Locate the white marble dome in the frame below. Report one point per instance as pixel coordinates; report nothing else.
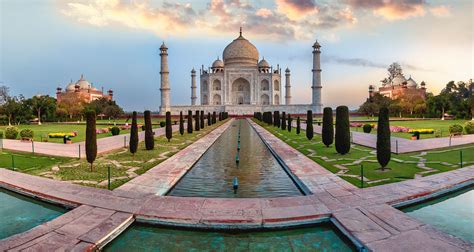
(263, 63)
(398, 80)
(218, 63)
(70, 87)
(240, 52)
(411, 83)
(83, 83)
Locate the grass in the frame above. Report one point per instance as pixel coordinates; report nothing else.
(403, 166)
(41, 131)
(438, 125)
(121, 162)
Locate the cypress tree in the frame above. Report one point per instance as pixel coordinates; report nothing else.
(91, 137)
(343, 134)
(278, 120)
(181, 123)
(328, 127)
(298, 126)
(283, 120)
(169, 130)
(133, 145)
(202, 119)
(289, 122)
(383, 138)
(269, 117)
(275, 118)
(214, 117)
(220, 116)
(209, 120)
(309, 125)
(196, 121)
(190, 122)
(149, 139)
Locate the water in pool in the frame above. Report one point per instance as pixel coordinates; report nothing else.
(453, 213)
(258, 172)
(148, 238)
(20, 213)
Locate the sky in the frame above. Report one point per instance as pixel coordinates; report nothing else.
(114, 43)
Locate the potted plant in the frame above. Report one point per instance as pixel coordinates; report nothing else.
(415, 136)
(26, 135)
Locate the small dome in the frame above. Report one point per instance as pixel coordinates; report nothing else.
(263, 64)
(398, 80)
(287, 70)
(411, 83)
(70, 86)
(240, 52)
(83, 83)
(218, 63)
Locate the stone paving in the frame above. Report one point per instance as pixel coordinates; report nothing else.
(77, 150)
(366, 214)
(404, 145)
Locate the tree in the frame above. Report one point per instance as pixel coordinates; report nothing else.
(343, 137)
(4, 94)
(298, 125)
(72, 104)
(190, 122)
(328, 127)
(133, 145)
(278, 119)
(309, 125)
(383, 138)
(275, 118)
(196, 121)
(181, 123)
(91, 138)
(11, 108)
(289, 122)
(283, 120)
(202, 119)
(149, 138)
(209, 119)
(169, 131)
(214, 117)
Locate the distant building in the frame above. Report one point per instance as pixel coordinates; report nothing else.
(397, 86)
(82, 90)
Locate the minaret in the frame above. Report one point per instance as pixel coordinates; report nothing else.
(287, 87)
(193, 87)
(316, 87)
(165, 85)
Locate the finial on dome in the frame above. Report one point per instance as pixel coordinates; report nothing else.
(82, 76)
(240, 31)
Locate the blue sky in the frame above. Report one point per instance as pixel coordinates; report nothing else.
(115, 43)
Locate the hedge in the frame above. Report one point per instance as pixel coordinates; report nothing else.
(455, 129)
(469, 127)
(26, 133)
(11, 132)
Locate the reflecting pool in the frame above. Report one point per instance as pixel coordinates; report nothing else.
(258, 172)
(453, 213)
(149, 238)
(19, 213)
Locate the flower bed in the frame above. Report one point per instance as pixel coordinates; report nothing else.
(422, 131)
(102, 130)
(62, 134)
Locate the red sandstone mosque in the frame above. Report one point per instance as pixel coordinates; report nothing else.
(397, 86)
(82, 90)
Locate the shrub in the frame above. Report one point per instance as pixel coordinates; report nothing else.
(298, 125)
(367, 128)
(469, 127)
(214, 117)
(328, 127)
(289, 122)
(133, 145)
(1, 134)
(27, 133)
(309, 125)
(91, 137)
(169, 131)
(416, 134)
(283, 120)
(190, 122)
(209, 119)
(196, 121)
(115, 131)
(202, 119)
(181, 123)
(455, 129)
(149, 138)
(162, 124)
(383, 138)
(343, 135)
(275, 118)
(143, 128)
(11, 132)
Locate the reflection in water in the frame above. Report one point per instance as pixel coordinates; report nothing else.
(147, 238)
(453, 213)
(259, 173)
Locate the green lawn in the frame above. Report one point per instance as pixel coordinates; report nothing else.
(28, 163)
(41, 131)
(121, 162)
(348, 167)
(438, 125)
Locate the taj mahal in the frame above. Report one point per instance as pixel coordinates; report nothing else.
(241, 83)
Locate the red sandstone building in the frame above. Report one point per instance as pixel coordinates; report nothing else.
(397, 86)
(82, 90)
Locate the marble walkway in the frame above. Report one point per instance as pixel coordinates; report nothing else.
(367, 214)
(77, 150)
(404, 145)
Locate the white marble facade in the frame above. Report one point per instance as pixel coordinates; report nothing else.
(242, 83)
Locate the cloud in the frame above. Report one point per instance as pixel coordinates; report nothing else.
(392, 9)
(440, 11)
(368, 63)
(218, 17)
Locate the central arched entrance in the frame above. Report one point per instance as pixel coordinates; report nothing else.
(241, 91)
